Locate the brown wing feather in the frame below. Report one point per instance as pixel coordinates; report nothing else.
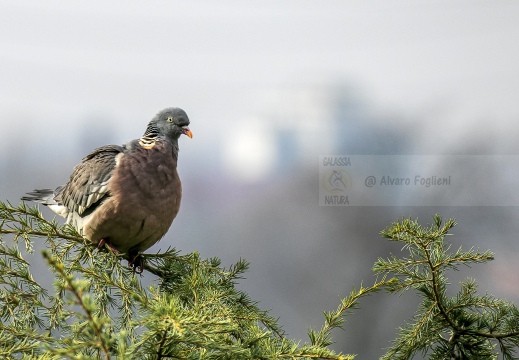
(89, 181)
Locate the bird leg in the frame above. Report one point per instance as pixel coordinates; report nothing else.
(109, 246)
(136, 261)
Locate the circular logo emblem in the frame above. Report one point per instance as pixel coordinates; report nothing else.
(336, 181)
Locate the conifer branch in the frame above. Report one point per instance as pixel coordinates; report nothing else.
(77, 290)
(101, 311)
(476, 324)
(196, 310)
(335, 319)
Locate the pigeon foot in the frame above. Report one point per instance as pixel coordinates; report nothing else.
(109, 246)
(137, 263)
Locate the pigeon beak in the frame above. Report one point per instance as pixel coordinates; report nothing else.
(186, 131)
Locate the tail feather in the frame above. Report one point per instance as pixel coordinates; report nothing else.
(42, 196)
(48, 197)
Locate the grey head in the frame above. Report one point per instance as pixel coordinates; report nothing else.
(169, 123)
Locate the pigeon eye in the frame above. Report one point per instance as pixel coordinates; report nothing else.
(170, 119)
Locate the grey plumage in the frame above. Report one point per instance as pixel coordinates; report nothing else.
(125, 196)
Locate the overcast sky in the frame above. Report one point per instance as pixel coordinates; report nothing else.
(62, 62)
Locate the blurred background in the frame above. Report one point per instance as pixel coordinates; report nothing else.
(269, 86)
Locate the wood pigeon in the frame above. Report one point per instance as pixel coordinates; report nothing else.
(125, 197)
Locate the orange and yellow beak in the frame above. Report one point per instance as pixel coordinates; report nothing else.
(186, 131)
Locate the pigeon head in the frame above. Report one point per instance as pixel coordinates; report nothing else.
(170, 123)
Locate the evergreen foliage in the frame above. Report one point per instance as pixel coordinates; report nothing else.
(99, 308)
(465, 326)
